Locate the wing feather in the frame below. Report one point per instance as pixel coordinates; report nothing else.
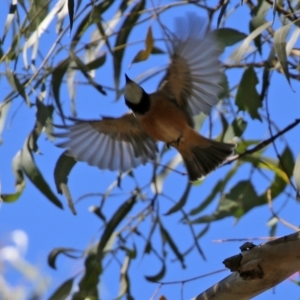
(110, 143)
(194, 73)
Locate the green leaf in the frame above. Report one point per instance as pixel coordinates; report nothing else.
(247, 97)
(71, 12)
(10, 198)
(122, 37)
(91, 17)
(243, 145)
(159, 275)
(229, 36)
(279, 184)
(57, 251)
(280, 36)
(62, 170)
(182, 200)
(238, 54)
(88, 285)
(56, 80)
(168, 239)
(85, 71)
(34, 175)
(4, 108)
(131, 253)
(63, 291)
(266, 163)
(236, 129)
(19, 180)
(218, 188)
(96, 63)
(225, 93)
(37, 13)
(17, 85)
(43, 116)
(148, 246)
(222, 12)
(258, 20)
(9, 19)
(124, 281)
(296, 174)
(111, 226)
(266, 74)
(241, 198)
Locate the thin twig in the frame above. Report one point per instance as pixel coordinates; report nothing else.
(263, 143)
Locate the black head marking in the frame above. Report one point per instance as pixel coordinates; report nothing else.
(135, 97)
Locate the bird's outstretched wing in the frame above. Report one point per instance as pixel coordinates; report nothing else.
(110, 143)
(194, 73)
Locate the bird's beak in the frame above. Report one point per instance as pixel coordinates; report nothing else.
(127, 79)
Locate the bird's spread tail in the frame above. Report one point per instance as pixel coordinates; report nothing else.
(202, 155)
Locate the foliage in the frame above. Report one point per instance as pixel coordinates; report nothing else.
(94, 35)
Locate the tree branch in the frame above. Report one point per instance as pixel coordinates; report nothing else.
(257, 269)
(263, 143)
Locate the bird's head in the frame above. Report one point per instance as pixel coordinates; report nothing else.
(135, 97)
(133, 92)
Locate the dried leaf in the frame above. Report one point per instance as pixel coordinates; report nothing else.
(144, 54)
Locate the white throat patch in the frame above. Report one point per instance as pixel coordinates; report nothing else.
(133, 93)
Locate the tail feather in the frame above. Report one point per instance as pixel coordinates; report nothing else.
(202, 155)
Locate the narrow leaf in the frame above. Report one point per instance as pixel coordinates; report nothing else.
(280, 48)
(222, 12)
(296, 175)
(19, 180)
(159, 275)
(56, 81)
(181, 202)
(62, 170)
(43, 116)
(116, 219)
(122, 37)
(241, 198)
(266, 74)
(124, 281)
(96, 63)
(84, 70)
(218, 188)
(89, 19)
(236, 129)
(71, 12)
(17, 85)
(258, 20)
(9, 18)
(279, 184)
(88, 285)
(167, 238)
(4, 108)
(57, 251)
(63, 291)
(238, 54)
(35, 176)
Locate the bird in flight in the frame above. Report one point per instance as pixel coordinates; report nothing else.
(190, 86)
